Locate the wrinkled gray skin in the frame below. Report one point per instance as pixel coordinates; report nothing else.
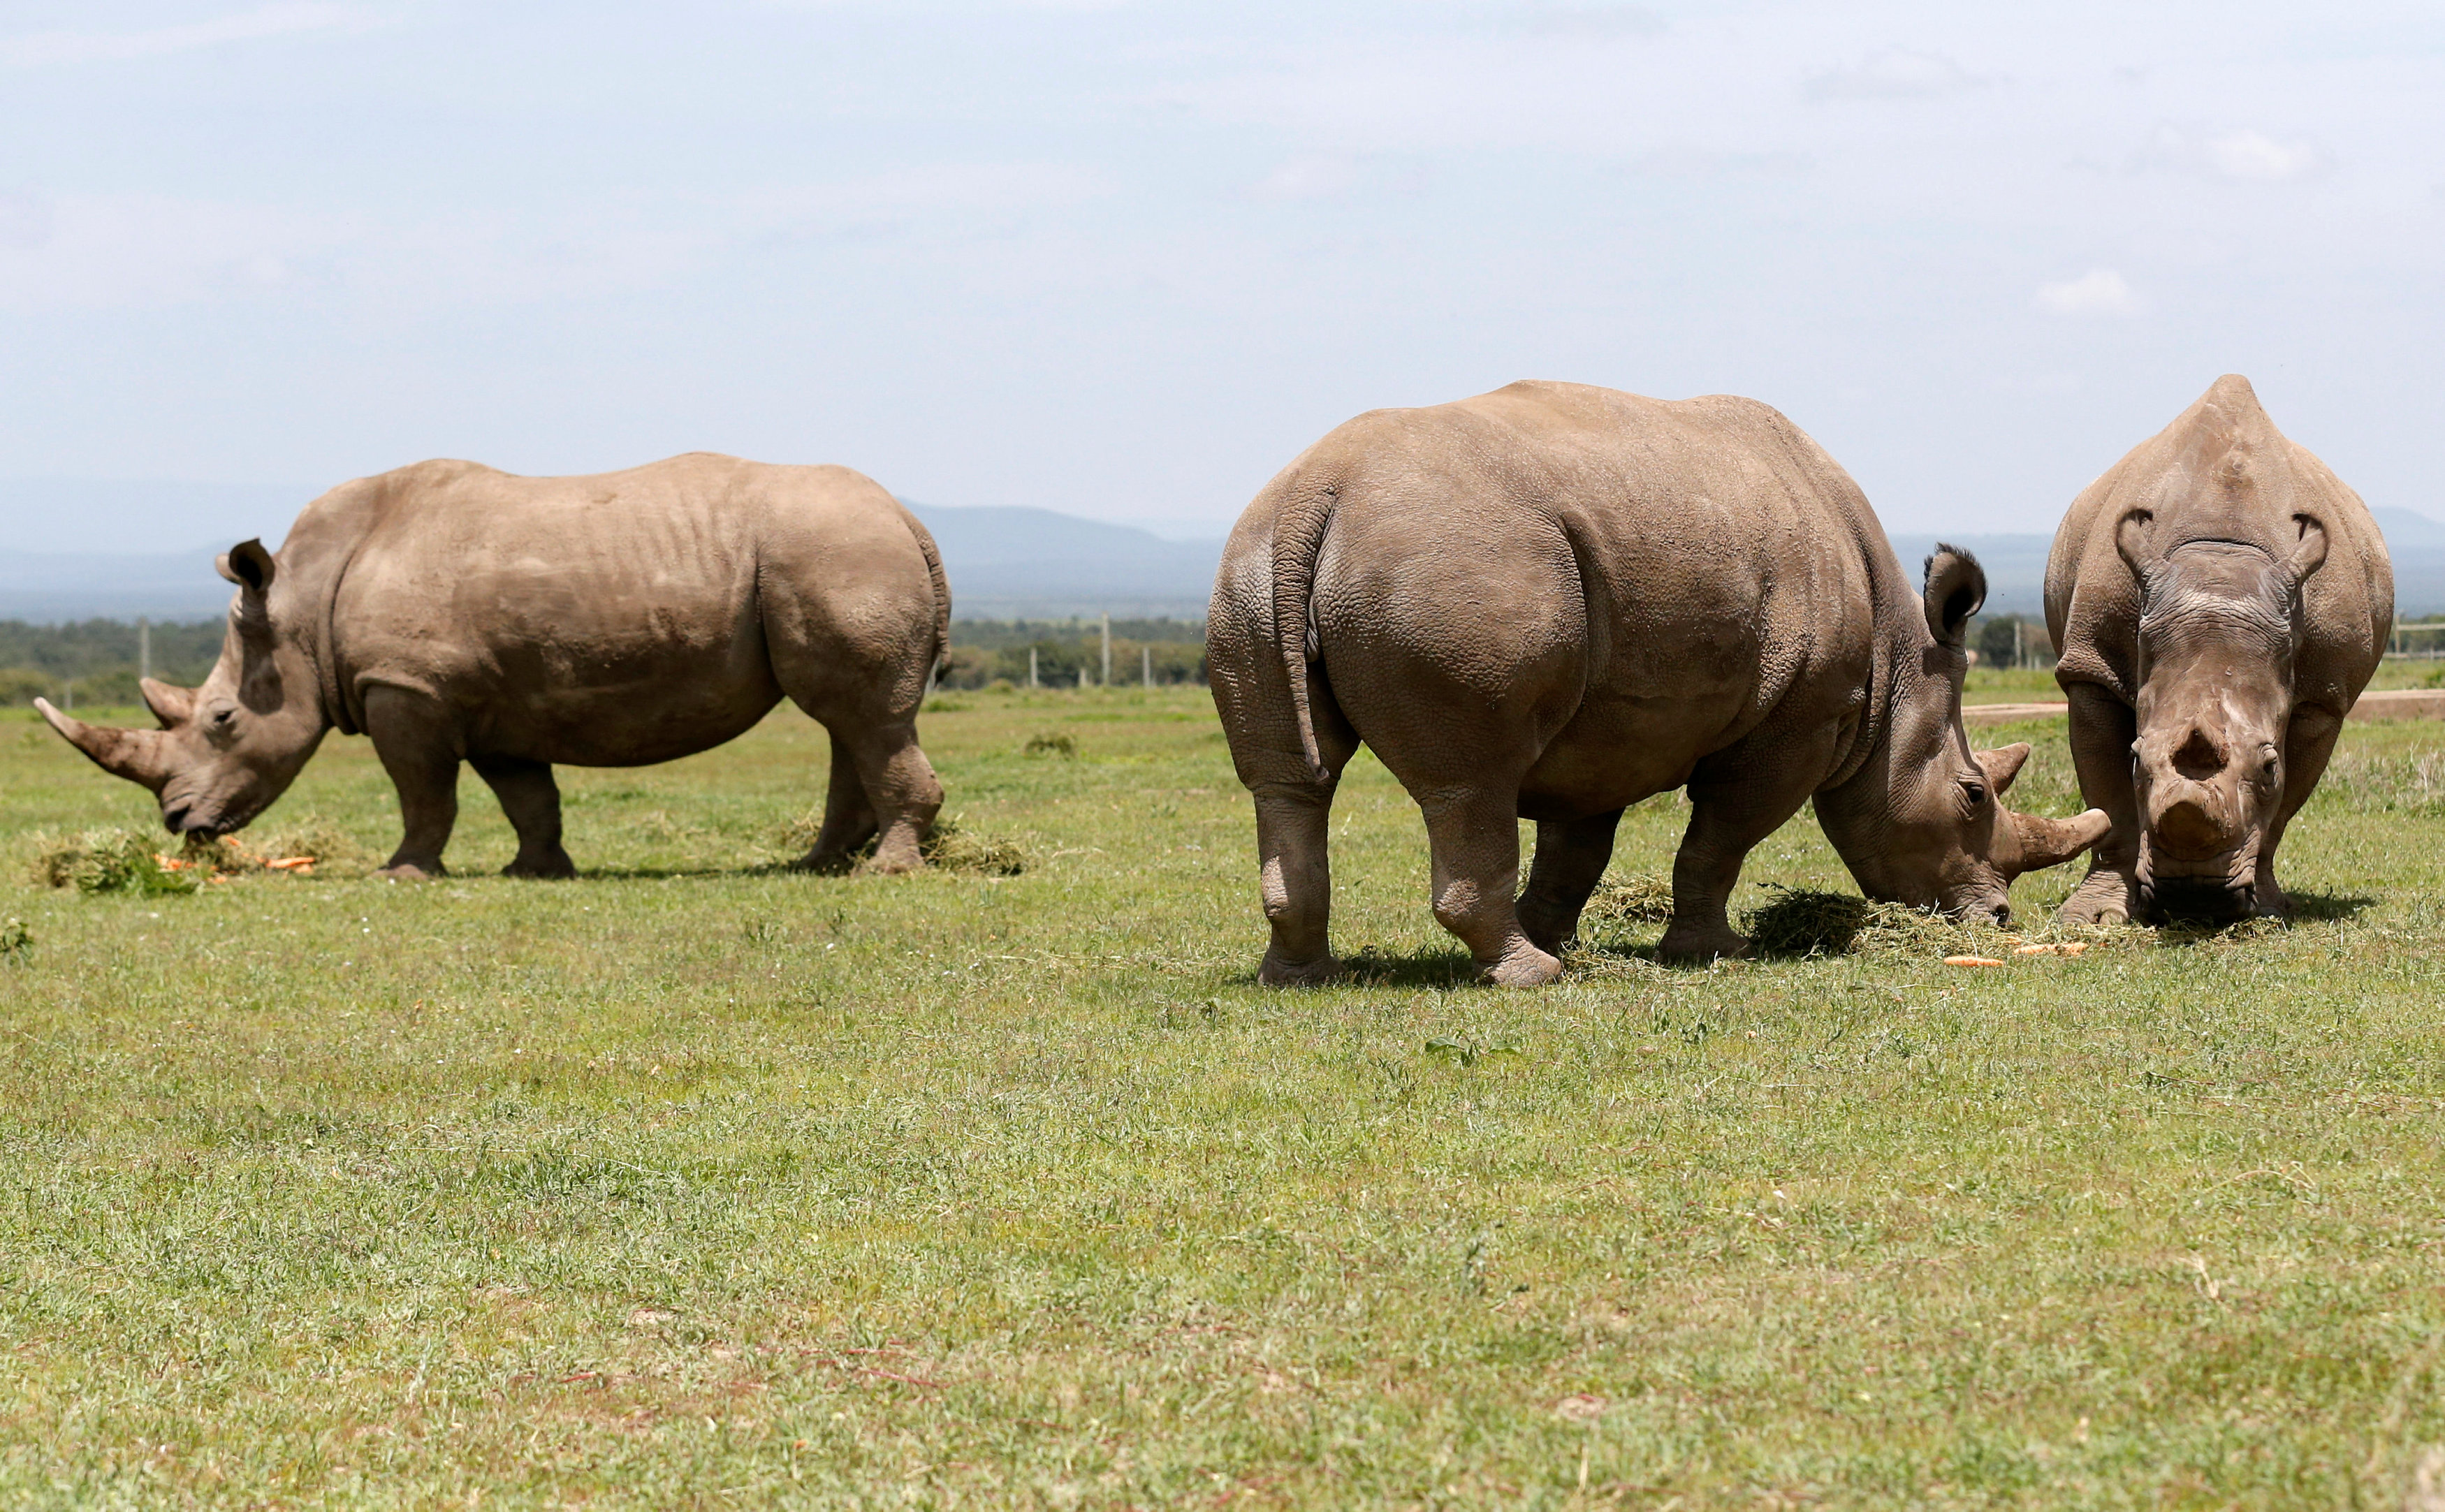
(1553, 601)
(456, 613)
(2220, 600)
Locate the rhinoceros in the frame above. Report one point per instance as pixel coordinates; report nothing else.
(458, 613)
(1552, 601)
(2220, 599)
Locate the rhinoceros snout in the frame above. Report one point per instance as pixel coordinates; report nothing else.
(2187, 830)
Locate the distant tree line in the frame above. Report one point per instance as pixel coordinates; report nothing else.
(2012, 640)
(94, 661)
(984, 652)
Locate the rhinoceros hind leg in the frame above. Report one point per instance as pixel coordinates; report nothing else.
(1571, 859)
(906, 795)
(1296, 882)
(532, 799)
(849, 819)
(1474, 835)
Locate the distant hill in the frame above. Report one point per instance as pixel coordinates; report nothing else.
(1012, 563)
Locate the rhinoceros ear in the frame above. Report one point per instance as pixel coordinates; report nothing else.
(2131, 539)
(1956, 586)
(248, 565)
(2311, 553)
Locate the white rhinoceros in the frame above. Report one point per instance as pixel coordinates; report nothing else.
(458, 613)
(1552, 601)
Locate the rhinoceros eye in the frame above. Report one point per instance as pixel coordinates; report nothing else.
(1975, 792)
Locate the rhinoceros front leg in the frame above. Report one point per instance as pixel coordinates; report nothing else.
(2308, 747)
(1474, 835)
(1571, 859)
(532, 799)
(416, 749)
(1296, 880)
(2102, 728)
(1731, 808)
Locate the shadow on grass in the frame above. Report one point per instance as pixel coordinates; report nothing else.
(2327, 907)
(1371, 968)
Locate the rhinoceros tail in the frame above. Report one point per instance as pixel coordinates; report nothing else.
(1298, 539)
(941, 594)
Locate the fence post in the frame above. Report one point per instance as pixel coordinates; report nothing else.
(1145, 665)
(143, 647)
(1108, 651)
(1031, 666)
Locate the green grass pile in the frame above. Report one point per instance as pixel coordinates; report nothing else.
(107, 861)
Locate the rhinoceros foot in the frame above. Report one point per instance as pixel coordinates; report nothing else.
(2105, 897)
(1276, 972)
(1524, 966)
(2271, 901)
(409, 872)
(1694, 943)
(555, 867)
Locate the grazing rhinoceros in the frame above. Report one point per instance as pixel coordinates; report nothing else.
(2220, 599)
(456, 613)
(1552, 601)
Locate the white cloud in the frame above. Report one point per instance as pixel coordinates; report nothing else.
(1896, 73)
(2240, 155)
(2098, 292)
(36, 50)
(2254, 154)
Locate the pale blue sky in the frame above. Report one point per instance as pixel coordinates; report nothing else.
(1127, 259)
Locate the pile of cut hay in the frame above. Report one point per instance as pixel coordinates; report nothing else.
(952, 846)
(1806, 922)
(1632, 900)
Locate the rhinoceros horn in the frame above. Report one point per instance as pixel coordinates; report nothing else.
(136, 754)
(171, 704)
(2050, 842)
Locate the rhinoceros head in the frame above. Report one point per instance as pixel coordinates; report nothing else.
(2218, 626)
(225, 751)
(1923, 822)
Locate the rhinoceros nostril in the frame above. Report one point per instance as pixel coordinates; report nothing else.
(2199, 758)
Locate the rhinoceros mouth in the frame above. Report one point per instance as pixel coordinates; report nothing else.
(2195, 900)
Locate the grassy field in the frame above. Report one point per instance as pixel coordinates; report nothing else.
(691, 1183)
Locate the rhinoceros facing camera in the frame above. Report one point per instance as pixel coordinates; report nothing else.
(456, 613)
(2221, 599)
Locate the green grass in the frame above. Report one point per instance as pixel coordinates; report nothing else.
(691, 1183)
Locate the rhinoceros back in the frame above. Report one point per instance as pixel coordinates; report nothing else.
(621, 618)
